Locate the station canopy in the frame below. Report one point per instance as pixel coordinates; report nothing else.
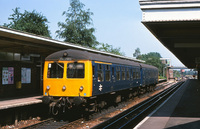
(182, 38)
(25, 43)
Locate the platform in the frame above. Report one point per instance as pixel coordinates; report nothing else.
(18, 102)
(181, 110)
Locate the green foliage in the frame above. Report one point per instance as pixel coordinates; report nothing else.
(153, 58)
(32, 22)
(75, 28)
(149, 56)
(137, 52)
(161, 77)
(109, 48)
(176, 74)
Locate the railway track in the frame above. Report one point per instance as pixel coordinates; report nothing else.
(53, 124)
(133, 115)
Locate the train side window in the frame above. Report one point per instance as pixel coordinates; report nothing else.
(55, 70)
(100, 67)
(107, 67)
(134, 74)
(107, 73)
(123, 73)
(118, 73)
(100, 74)
(127, 74)
(131, 73)
(113, 71)
(145, 74)
(149, 74)
(139, 74)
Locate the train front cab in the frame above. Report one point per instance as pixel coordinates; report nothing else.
(67, 81)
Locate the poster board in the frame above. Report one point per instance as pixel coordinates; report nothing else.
(25, 75)
(7, 75)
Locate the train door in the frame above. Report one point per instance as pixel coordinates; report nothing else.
(141, 75)
(108, 78)
(144, 76)
(102, 78)
(98, 78)
(134, 77)
(113, 75)
(118, 78)
(131, 77)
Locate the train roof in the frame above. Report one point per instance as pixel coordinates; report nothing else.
(85, 55)
(148, 66)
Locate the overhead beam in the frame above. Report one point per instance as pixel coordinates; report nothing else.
(187, 45)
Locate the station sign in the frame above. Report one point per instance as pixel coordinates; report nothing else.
(166, 61)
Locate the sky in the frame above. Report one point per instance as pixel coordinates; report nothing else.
(116, 22)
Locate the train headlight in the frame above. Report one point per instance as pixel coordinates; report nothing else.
(64, 88)
(81, 88)
(48, 87)
(65, 54)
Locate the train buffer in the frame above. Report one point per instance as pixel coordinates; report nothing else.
(181, 110)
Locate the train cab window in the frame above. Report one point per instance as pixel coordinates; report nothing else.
(75, 70)
(127, 74)
(107, 73)
(55, 70)
(118, 73)
(123, 73)
(100, 75)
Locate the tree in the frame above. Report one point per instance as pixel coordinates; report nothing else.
(75, 28)
(109, 48)
(137, 53)
(153, 58)
(32, 22)
(176, 74)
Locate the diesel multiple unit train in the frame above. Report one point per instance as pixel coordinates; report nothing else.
(80, 78)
